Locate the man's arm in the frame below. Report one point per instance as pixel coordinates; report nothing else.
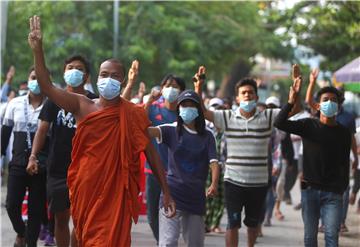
(68, 101)
(154, 132)
(132, 75)
(6, 87)
(282, 122)
(310, 90)
(157, 168)
(38, 144)
(199, 80)
(354, 150)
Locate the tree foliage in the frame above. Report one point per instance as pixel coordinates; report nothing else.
(330, 28)
(166, 37)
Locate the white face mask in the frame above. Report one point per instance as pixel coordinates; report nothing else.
(170, 93)
(109, 88)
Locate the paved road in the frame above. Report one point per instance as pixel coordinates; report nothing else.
(286, 233)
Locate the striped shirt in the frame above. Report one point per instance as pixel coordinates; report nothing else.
(247, 145)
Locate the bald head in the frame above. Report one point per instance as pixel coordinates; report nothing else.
(112, 68)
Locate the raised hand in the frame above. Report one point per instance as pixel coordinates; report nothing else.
(295, 71)
(35, 37)
(199, 77)
(313, 75)
(142, 89)
(133, 72)
(10, 74)
(295, 90)
(154, 95)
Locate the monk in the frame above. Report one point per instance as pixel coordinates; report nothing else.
(103, 177)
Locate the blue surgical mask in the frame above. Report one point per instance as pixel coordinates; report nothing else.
(74, 77)
(34, 87)
(109, 88)
(170, 93)
(188, 114)
(248, 106)
(329, 108)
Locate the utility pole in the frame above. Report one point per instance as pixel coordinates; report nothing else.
(3, 19)
(116, 27)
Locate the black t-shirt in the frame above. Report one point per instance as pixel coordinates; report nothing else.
(63, 127)
(326, 151)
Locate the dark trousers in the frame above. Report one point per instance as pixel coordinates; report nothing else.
(153, 192)
(17, 185)
(290, 178)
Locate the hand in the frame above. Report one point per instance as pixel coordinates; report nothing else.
(295, 71)
(199, 77)
(35, 37)
(169, 205)
(133, 72)
(154, 96)
(211, 191)
(275, 171)
(294, 90)
(10, 74)
(313, 75)
(355, 164)
(33, 166)
(142, 89)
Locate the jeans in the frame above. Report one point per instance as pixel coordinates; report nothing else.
(345, 205)
(192, 227)
(271, 198)
(153, 191)
(312, 201)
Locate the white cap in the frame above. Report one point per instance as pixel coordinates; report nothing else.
(273, 100)
(216, 101)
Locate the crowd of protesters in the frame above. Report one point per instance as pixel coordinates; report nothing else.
(77, 155)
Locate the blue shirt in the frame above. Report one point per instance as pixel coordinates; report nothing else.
(188, 166)
(159, 114)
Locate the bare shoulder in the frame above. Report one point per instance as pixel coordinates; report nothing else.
(87, 106)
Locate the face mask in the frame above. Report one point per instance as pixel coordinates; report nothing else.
(329, 108)
(188, 114)
(170, 93)
(248, 106)
(109, 88)
(74, 77)
(34, 87)
(23, 92)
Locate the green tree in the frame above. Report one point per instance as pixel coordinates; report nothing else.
(331, 29)
(166, 37)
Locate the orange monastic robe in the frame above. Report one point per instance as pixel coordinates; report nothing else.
(103, 177)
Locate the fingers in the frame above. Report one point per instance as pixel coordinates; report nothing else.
(295, 71)
(171, 210)
(201, 70)
(31, 22)
(135, 65)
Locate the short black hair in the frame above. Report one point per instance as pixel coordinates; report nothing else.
(78, 58)
(329, 89)
(177, 79)
(244, 82)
